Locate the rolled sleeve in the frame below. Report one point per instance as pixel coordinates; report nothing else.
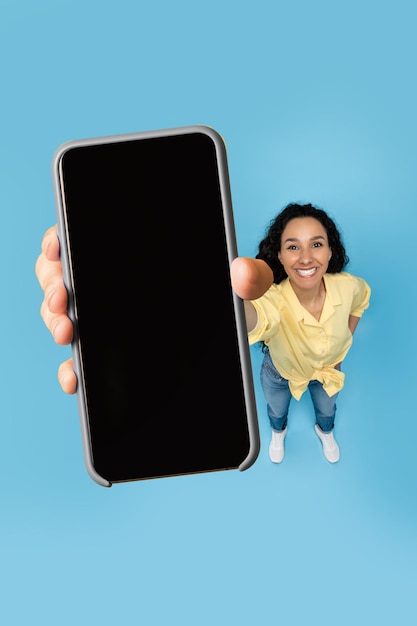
(361, 297)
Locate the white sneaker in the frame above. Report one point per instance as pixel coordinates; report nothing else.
(276, 447)
(330, 448)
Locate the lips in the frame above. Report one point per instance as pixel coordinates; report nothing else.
(307, 273)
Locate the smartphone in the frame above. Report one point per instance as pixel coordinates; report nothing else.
(160, 347)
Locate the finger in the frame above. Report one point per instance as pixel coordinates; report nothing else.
(58, 324)
(49, 275)
(47, 271)
(48, 262)
(67, 378)
(50, 244)
(56, 298)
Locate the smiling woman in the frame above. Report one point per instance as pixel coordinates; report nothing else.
(305, 254)
(303, 308)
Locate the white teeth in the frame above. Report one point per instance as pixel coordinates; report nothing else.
(307, 272)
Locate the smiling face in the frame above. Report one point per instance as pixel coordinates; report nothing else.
(305, 252)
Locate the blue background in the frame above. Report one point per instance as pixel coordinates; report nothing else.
(317, 102)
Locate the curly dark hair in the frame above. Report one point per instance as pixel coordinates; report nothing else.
(271, 244)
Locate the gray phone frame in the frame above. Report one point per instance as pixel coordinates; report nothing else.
(246, 365)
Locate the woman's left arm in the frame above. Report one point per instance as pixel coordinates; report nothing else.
(353, 322)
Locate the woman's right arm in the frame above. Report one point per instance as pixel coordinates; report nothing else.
(251, 278)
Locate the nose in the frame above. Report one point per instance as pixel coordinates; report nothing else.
(305, 256)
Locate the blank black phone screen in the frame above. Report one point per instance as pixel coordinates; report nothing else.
(156, 329)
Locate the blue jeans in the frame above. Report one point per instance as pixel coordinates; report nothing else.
(278, 396)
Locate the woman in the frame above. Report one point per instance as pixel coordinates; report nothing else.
(304, 310)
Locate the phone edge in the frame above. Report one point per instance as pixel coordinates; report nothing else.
(62, 237)
(246, 362)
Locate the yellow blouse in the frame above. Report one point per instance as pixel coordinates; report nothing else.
(301, 347)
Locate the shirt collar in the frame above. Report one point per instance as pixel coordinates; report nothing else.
(289, 295)
(332, 299)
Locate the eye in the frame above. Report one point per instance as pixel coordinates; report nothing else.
(317, 244)
(292, 247)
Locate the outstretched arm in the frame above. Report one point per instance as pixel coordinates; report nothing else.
(251, 278)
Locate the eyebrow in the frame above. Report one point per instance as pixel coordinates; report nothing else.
(311, 238)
